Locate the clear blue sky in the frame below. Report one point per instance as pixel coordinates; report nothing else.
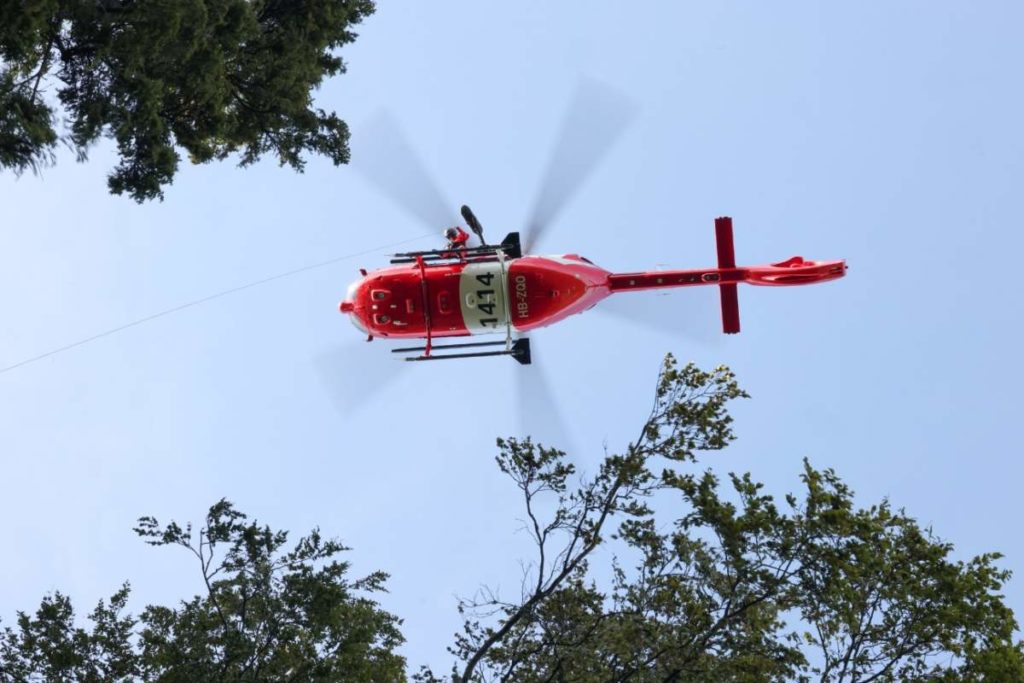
(885, 133)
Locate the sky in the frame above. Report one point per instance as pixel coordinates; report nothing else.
(887, 134)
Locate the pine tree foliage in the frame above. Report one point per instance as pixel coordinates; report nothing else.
(210, 78)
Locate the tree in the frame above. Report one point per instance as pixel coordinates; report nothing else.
(268, 614)
(731, 585)
(211, 77)
(737, 587)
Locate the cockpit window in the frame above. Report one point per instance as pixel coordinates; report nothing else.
(350, 296)
(358, 323)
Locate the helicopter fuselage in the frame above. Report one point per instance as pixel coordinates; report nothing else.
(471, 297)
(495, 289)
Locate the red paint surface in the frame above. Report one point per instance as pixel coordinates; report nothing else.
(543, 291)
(417, 301)
(400, 314)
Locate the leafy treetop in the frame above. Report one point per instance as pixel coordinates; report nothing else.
(211, 77)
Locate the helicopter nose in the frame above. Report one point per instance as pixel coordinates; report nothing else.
(347, 307)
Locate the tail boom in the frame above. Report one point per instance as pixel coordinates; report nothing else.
(791, 272)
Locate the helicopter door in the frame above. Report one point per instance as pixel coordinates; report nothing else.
(482, 297)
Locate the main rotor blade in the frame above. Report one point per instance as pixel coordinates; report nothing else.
(381, 153)
(693, 314)
(354, 373)
(596, 118)
(539, 416)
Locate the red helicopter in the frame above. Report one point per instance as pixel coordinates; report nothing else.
(461, 291)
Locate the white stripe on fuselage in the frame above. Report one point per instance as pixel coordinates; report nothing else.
(482, 297)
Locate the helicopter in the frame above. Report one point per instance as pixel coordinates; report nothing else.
(463, 291)
(442, 295)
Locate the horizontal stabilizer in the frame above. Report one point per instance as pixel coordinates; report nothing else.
(727, 259)
(730, 309)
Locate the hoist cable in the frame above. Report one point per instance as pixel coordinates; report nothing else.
(205, 299)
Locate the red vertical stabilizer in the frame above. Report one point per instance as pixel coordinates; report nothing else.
(727, 259)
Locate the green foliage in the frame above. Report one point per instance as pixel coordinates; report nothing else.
(211, 77)
(886, 600)
(689, 412)
(269, 613)
(49, 646)
(731, 587)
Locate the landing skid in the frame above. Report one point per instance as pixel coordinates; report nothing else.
(509, 246)
(518, 349)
